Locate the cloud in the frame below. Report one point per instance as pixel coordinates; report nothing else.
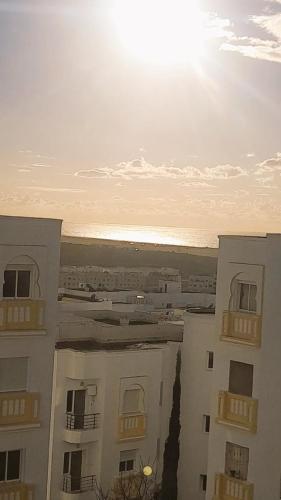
(41, 165)
(250, 155)
(270, 165)
(268, 48)
(224, 172)
(142, 169)
(53, 189)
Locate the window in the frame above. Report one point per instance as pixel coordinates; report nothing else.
(236, 461)
(16, 283)
(127, 460)
(241, 378)
(206, 423)
(210, 360)
(247, 299)
(203, 482)
(13, 374)
(9, 465)
(131, 400)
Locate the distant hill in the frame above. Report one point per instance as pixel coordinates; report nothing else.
(108, 254)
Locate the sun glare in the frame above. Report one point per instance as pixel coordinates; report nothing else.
(161, 31)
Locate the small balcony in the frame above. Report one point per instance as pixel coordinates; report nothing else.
(21, 314)
(230, 488)
(81, 428)
(16, 491)
(19, 409)
(132, 426)
(238, 411)
(74, 488)
(243, 328)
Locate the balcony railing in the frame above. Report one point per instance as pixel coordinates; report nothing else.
(82, 422)
(229, 488)
(16, 491)
(72, 484)
(21, 314)
(242, 327)
(237, 410)
(19, 408)
(132, 426)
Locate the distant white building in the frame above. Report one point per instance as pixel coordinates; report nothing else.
(118, 278)
(200, 283)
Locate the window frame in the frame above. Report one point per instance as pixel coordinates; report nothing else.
(17, 268)
(7, 465)
(208, 367)
(131, 458)
(249, 284)
(203, 478)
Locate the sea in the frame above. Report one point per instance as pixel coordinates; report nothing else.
(184, 236)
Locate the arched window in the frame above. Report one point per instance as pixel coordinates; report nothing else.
(21, 278)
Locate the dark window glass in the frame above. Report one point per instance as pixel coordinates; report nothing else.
(207, 423)
(9, 287)
(210, 360)
(2, 465)
(122, 466)
(203, 478)
(69, 401)
(241, 378)
(130, 464)
(66, 462)
(23, 287)
(13, 470)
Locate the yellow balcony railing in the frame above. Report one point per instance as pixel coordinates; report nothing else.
(19, 408)
(131, 426)
(21, 314)
(16, 491)
(237, 410)
(242, 327)
(230, 488)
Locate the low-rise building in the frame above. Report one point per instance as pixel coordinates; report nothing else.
(198, 283)
(114, 376)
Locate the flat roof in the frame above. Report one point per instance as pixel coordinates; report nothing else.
(88, 345)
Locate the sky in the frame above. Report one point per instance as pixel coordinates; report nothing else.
(152, 115)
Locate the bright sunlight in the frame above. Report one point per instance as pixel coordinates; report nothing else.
(161, 31)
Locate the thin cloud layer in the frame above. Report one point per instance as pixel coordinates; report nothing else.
(142, 169)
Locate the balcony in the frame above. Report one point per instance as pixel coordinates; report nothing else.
(230, 488)
(132, 426)
(238, 411)
(243, 328)
(19, 409)
(81, 428)
(21, 314)
(74, 487)
(16, 491)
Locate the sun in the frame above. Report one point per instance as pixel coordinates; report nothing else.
(161, 32)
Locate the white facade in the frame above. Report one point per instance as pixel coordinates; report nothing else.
(244, 452)
(105, 367)
(29, 267)
(117, 278)
(196, 383)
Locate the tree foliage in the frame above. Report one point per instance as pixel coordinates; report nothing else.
(169, 490)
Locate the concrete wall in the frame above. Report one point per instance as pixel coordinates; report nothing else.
(196, 381)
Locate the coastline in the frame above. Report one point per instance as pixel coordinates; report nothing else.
(181, 249)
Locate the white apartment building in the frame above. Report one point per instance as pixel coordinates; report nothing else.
(29, 268)
(244, 456)
(112, 400)
(120, 278)
(196, 381)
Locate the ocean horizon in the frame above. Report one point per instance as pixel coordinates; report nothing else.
(168, 235)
